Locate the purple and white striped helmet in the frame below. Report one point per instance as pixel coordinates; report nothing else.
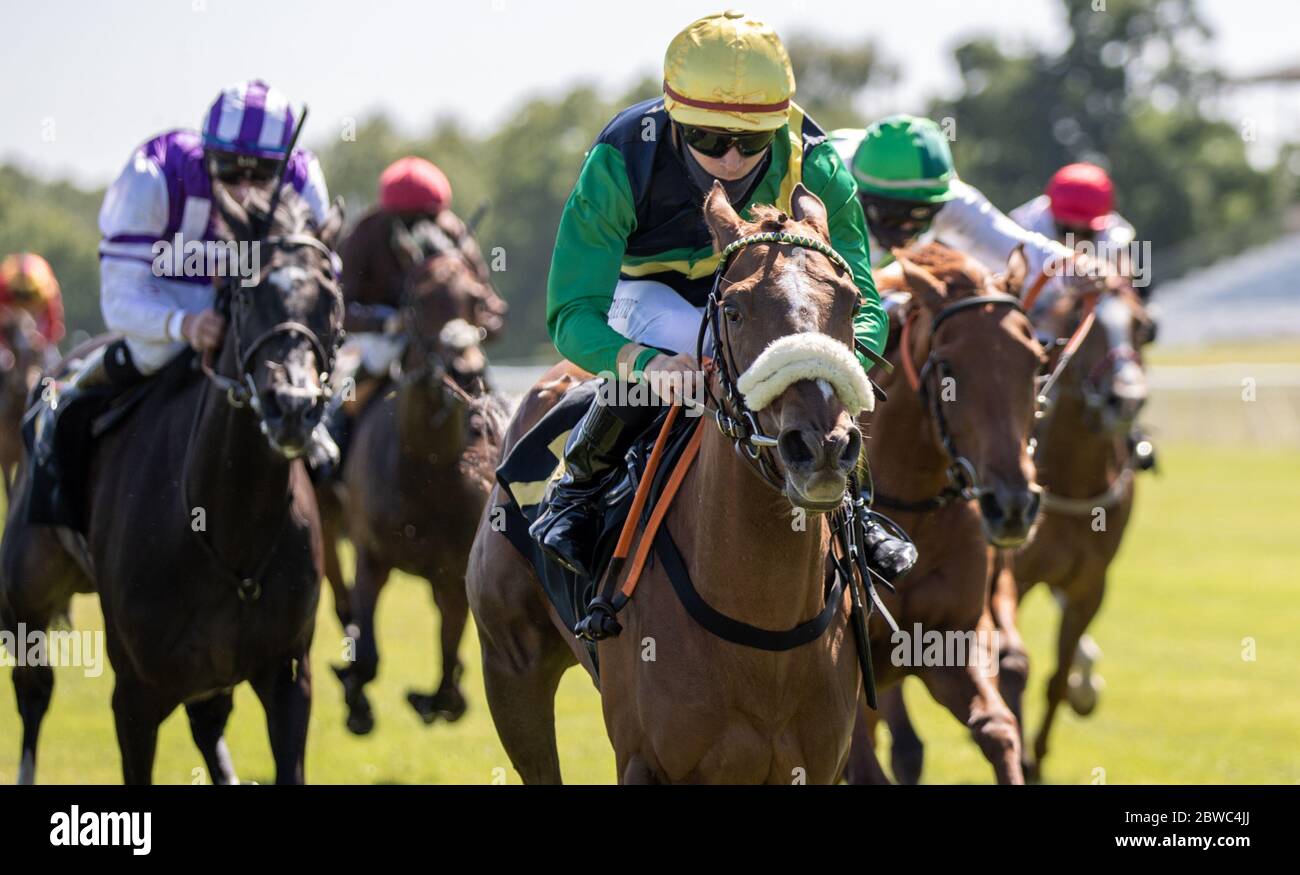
(250, 118)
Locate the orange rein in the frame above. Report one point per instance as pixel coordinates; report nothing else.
(905, 349)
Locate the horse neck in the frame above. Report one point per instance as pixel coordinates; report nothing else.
(241, 484)
(907, 461)
(746, 556)
(430, 425)
(1073, 458)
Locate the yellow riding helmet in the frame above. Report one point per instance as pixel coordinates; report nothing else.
(728, 70)
(27, 278)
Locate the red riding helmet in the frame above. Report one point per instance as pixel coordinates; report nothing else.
(413, 185)
(1082, 195)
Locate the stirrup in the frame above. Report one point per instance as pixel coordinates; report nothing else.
(600, 622)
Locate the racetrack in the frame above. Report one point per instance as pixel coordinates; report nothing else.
(1209, 561)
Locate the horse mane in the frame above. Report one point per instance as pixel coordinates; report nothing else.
(953, 268)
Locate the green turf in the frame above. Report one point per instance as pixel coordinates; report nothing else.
(1210, 560)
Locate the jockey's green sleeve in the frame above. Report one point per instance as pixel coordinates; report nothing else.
(597, 220)
(825, 175)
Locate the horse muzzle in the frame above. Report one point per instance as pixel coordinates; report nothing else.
(817, 465)
(289, 415)
(1009, 513)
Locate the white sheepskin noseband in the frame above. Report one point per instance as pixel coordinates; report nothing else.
(809, 355)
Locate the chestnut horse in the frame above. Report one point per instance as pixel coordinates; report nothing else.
(201, 523)
(1086, 468)
(951, 454)
(682, 705)
(417, 478)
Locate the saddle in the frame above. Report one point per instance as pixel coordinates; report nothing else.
(59, 461)
(537, 459)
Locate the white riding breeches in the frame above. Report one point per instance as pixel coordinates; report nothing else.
(653, 314)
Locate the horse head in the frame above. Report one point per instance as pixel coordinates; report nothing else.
(981, 360)
(784, 330)
(285, 322)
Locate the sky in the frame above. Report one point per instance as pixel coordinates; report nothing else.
(82, 82)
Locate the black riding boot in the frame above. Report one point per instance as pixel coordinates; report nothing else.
(568, 527)
(889, 555)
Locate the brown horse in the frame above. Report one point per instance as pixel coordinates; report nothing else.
(951, 454)
(1086, 468)
(201, 524)
(680, 703)
(418, 476)
(22, 358)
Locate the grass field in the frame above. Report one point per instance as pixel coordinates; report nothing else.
(1210, 561)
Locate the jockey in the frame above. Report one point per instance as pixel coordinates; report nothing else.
(633, 261)
(909, 188)
(1077, 208)
(163, 197)
(413, 194)
(27, 282)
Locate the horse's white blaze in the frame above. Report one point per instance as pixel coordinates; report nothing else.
(797, 288)
(807, 355)
(284, 278)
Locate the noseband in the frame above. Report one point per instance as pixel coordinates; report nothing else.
(963, 482)
(737, 422)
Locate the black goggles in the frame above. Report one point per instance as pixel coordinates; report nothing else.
(231, 167)
(884, 212)
(1080, 232)
(715, 142)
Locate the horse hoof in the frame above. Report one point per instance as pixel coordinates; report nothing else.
(907, 765)
(448, 704)
(360, 721)
(1083, 693)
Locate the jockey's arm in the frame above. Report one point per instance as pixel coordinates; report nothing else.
(594, 227)
(825, 175)
(132, 298)
(970, 223)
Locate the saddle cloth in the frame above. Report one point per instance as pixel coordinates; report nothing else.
(538, 458)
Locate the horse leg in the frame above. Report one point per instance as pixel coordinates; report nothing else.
(973, 699)
(1076, 613)
(208, 727)
(285, 692)
(33, 687)
(137, 713)
(524, 656)
(329, 521)
(907, 751)
(864, 765)
(1013, 656)
(446, 701)
(372, 574)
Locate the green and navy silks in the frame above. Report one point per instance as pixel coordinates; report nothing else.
(635, 213)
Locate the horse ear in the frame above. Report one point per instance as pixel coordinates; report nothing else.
(1017, 271)
(723, 221)
(405, 246)
(232, 213)
(925, 286)
(332, 230)
(807, 208)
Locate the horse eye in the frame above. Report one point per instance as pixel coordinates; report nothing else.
(732, 312)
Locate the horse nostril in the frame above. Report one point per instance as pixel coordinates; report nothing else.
(794, 448)
(852, 449)
(991, 507)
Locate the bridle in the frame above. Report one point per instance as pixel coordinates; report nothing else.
(963, 481)
(241, 389)
(737, 422)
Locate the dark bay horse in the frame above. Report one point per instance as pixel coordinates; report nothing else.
(418, 476)
(1087, 471)
(201, 523)
(22, 358)
(681, 704)
(950, 455)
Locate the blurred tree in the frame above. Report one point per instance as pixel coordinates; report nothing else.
(1126, 93)
(835, 81)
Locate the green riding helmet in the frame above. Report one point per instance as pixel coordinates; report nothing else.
(904, 172)
(905, 158)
